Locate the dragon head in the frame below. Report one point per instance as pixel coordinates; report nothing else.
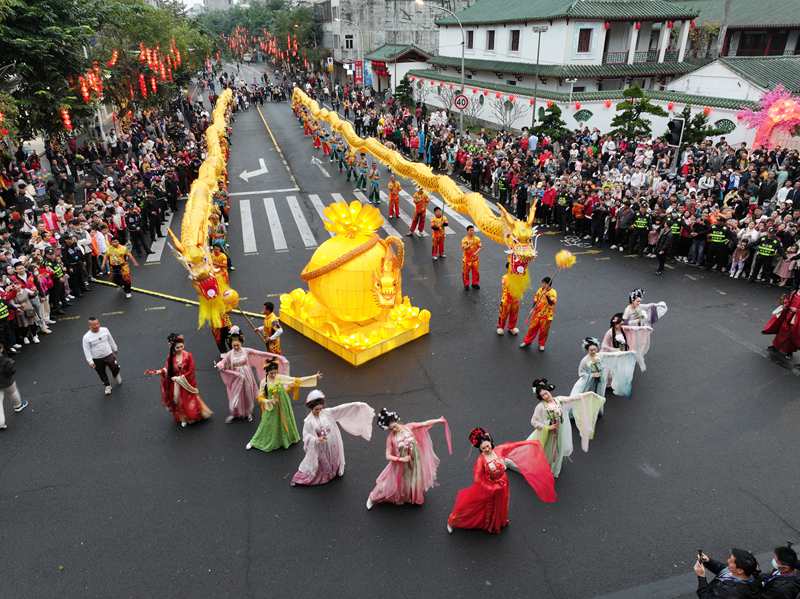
(387, 287)
(520, 239)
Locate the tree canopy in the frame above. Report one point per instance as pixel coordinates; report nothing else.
(630, 121)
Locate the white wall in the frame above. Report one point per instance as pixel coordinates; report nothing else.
(715, 79)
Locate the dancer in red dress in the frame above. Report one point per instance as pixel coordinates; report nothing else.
(179, 392)
(484, 505)
(785, 325)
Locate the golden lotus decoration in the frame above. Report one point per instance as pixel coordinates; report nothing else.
(216, 299)
(354, 305)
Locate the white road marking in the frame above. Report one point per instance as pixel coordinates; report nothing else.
(275, 229)
(692, 277)
(319, 207)
(160, 243)
(408, 198)
(302, 224)
(318, 162)
(255, 193)
(390, 230)
(248, 231)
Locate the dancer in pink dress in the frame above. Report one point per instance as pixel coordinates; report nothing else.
(236, 369)
(412, 466)
(322, 440)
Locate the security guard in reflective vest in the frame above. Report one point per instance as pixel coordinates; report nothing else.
(718, 246)
(766, 250)
(639, 230)
(675, 222)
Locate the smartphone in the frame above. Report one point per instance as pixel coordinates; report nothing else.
(700, 555)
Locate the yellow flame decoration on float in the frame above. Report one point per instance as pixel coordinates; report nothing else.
(216, 298)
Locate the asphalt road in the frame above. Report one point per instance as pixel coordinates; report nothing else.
(103, 498)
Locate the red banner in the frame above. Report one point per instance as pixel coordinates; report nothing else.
(358, 75)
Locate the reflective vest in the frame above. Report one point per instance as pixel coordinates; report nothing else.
(640, 222)
(718, 235)
(768, 247)
(675, 227)
(3, 311)
(58, 270)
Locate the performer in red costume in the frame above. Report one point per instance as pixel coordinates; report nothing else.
(785, 325)
(484, 505)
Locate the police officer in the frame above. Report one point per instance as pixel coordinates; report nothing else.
(766, 250)
(72, 257)
(639, 230)
(57, 294)
(133, 220)
(719, 238)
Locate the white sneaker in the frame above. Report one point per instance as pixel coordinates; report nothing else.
(26, 341)
(46, 331)
(108, 390)
(36, 338)
(118, 378)
(249, 445)
(435, 258)
(500, 332)
(183, 424)
(17, 346)
(3, 427)
(613, 247)
(620, 249)
(514, 331)
(50, 321)
(128, 295)
(369, 503)
(418, 234)
(449, 529)
(443, 256)
(229, 419)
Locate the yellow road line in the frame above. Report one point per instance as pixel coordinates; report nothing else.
(278, 148)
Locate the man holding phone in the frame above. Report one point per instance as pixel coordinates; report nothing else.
(736, 579)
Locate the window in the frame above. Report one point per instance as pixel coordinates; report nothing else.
(579, 88)
(335, 12)
(348, 41)
(584, 40)
(514, 41)
(336, 40)
(470, 40)
(490, 39)
(511, 82)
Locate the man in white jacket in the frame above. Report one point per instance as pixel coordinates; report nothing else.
(100, 351)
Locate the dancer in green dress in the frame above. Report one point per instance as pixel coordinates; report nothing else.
(278, 428)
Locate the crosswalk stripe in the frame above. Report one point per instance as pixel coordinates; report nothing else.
(160, 243)
(386, 226)
(408, 198)
(302, 224)
(248, 231)
(275, 229)
(319, 207)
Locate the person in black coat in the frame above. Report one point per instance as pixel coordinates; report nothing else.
(784, 580)
(738, 579)
(663, 245)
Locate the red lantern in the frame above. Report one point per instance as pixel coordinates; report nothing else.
(577, 105)
(670, 24)
(451, 86)
(739, 116)
(670, 106)
(3, 131)
(607, 25)
(692, 24)
(65, 120)
(433, 83)
(707, 110)
(511, 98)
(142, 85)
(530, 101)
(412, 78)
(153, 84)
(474, 90)
(113, 60)
(607, 103)
(486, 92)
(637, 25)
(549, 103)
(498, 95)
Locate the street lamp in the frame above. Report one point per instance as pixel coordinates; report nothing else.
(360, 43)
(571, 82)
(538, 30)
(463, 46)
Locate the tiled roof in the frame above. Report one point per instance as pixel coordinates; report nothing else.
(666, 96)
(746, 13)
(614, 71)
(391, 52)
(516, 11)
(767, 71)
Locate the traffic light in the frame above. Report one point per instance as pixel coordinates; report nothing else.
(675, 127)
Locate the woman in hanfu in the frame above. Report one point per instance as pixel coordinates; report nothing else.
(322, 440)
(179, 392)
(413, 463)
(236, 369)
(638, 314)
(551, 421)
(484, 504)
(597, 370)
(621, 337)
(277, 428)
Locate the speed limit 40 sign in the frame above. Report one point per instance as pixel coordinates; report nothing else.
(461, 102)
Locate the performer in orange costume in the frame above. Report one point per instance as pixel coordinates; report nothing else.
(509, 309)
(394, 197)
(438, 224)
(420, 206)
(470, 259)
(541, 316)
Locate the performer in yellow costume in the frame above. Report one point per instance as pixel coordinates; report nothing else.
(541, 316)
(118, 255)
(438, 224)
(470, 259)
(272, 329)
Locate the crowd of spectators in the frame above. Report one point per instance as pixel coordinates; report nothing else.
(720, 206)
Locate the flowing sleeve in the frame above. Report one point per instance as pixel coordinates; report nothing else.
(310, 461)
(654, 311)
(189, 370)
(257, 359)
(529, 460)
(355, 418)
(620, 366)
(585, 407)
(293, 383)
(607, 344)
(421, 430)
(539, 419)
(584, 374)
(639, 341)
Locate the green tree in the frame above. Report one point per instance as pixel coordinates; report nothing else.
(551, 124)
(404, 93)
(630, 121)
(696, 128)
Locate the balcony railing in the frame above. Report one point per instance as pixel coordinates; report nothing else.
(671, 56)
(615, 57)
(638, 57)
(646, 56)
